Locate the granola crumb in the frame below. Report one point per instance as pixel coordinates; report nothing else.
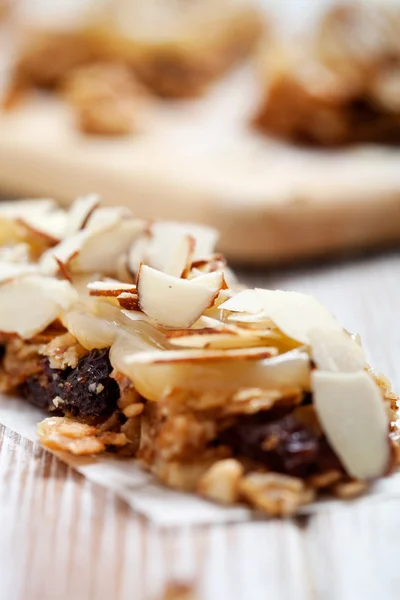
(63, 434)
(323, 480)
(277, 495)
(64, 351)
(350, 489)
(133, 410)
(221, 481)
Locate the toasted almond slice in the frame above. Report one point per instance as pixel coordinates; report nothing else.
(214, 280)
(80, 212)
(217, 340)
(336, 350)
(353, 416)
(206, 322)
(158, 246)
(135, 315)
(180, 260)
(225, 337)
(30, 303)
(128, 301)
(48, 225)
(90, 331)
(170, 301)
(198, 356)
(154, 380)
(293, 313)
(138, 253)
(95, 248)
(110, 288)
(9, 270)
(107, 216)
(175, 334)
(15, 254)
(210, 263)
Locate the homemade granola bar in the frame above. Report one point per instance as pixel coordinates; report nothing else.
(340, 83)
(175, 49)
(136, 339)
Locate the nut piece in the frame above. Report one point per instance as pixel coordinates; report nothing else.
(221, 481)
(64, 351)
(277, 495)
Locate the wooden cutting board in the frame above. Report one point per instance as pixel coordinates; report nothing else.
(201, 161)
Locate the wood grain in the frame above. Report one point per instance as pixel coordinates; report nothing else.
(64, 538)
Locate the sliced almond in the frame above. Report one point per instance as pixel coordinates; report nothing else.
(153, 380)
(50, 225)
(128, 301)
(90, 331)
(157, 247)
(181, 259)
(15, 254)
(208, 264)
(107, 216)
(219, 338)
(353, 416)
(138, 253)
(80, 212)
(295, 314)
(9, 270)
(95, 248)
(214, 280)
(30, 303)
(198, 356)
(170, 301)
(335, 350)
(110, 288)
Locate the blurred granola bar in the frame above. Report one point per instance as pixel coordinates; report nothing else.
(342, 84)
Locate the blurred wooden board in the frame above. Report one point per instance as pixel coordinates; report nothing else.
(201, 161)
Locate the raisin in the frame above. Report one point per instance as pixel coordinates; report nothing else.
(284, 445)
(41, 389)
(87, 392)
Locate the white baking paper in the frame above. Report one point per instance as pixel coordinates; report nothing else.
(140, 490)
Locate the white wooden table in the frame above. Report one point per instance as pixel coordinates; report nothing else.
(63, 538)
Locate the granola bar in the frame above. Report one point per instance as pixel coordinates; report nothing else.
(175, 50)
(338, 85)
(135, 338)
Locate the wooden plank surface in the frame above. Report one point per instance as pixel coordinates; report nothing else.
(63, 538)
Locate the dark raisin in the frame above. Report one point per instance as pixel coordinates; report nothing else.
(86, 392)
(2, 351)
(283, 445)
(41, 389)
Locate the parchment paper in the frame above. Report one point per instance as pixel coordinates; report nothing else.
(140, 490)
